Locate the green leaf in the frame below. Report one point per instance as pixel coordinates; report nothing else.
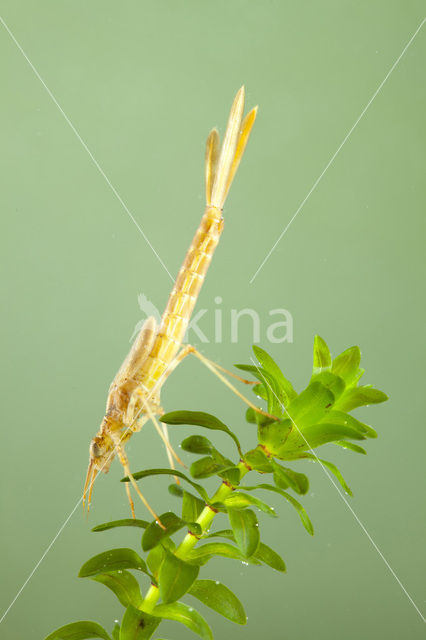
(351, 446)
(79, 631)
(197, 444)
(315, 436)
(116, 631)
(232, 475)
(188, 616)
(204, 553)
(112, 560)
(228, 534)
(346, 365)
(145, 473)
(274, 436)
(154, 534)
(285, 478)
(246, 530)
(123, 584)
(259, 391)
(272, 390)
(334, 470)
(201, 445)
(137, 625)
(219, 598)
(359, 397)
(238, 500)
(176, 577)
(200, 419)
(267, 363)
(311, 405)
(301, 511)
(175, 490)
(334, 383)
(258, 460)
(206, 467)
(339, 417)
(191, 507)
(322, 357)
(154, 559)
(270, 557)
(126, 522)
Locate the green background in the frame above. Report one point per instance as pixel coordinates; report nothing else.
(143, 82)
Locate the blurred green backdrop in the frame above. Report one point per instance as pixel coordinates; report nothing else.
(143, 82)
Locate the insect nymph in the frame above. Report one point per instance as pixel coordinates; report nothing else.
(134, 395)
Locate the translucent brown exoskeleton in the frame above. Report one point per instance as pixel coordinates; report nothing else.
(134, 395)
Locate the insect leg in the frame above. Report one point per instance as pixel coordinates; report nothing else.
(125, 464)
(129, 497)
(164, 434)
(214, 369)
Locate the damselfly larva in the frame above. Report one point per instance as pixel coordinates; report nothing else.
(134, 395)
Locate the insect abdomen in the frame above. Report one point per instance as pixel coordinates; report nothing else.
(183, 297)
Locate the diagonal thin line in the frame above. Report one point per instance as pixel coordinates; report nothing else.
(330, 162)
(68, 518)
(327, 473)
(84, 145)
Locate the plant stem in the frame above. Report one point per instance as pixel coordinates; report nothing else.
(190, 540)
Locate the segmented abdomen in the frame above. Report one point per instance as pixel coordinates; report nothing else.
(182, 299)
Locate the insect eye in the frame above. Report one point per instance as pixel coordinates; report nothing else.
(95, 450)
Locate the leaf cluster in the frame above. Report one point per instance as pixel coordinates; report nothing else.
(318, 415)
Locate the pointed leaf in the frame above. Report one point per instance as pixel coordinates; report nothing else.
(351, 446)
(116, 631)
(246, 530)
(123, 584)
(228, 534)
(339, 417)
(204, 553)
(271, 366)
(175, 577)
(310, 406)
(126, 522)
(154, 534)
(145, 473)
(346, 365)
(79, 631)
(334, 470)
(270, 557)
(200, 419)
(359, 397)
(315, 436)
(299, 508)
(272, 390)
(137, 625)
(112, 560)
(238, 500)
(188, 616)
(322, 357)
(219, 598)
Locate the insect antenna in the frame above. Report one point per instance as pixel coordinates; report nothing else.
(92, 482)
(87, 482)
